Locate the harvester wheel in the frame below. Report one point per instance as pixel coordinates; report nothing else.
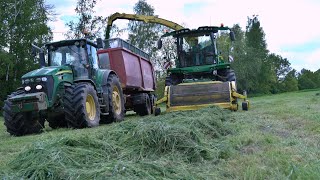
(157, 111)
(116, 99)
(81, 106)
(153, 100)
(22, 123)
(245, 105)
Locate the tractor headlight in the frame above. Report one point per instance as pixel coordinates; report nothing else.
(44, 79)
(38, 87)
(27, 88)
(38, 79)
(26, 81)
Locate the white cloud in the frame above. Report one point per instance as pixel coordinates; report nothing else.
(286, 23)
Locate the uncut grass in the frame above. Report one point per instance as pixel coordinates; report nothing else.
(279, 140)
(173, 145)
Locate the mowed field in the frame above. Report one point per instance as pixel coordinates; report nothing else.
(278, 138)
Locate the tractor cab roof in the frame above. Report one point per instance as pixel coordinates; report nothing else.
(81, 41)
(195, 32)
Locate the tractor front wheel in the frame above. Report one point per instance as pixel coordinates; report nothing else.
(81, 106)
(21, 123)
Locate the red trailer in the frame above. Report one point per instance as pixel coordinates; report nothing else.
(135, 71)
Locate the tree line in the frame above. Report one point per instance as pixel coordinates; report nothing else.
(22, 23)
(25, 22)
(260, 71)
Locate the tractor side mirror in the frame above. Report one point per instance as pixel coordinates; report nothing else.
(232, 36)
(42, 59)
(41, 54)
(99, 43)
(34, 51)
(159, 44)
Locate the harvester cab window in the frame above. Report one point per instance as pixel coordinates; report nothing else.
(196, 50)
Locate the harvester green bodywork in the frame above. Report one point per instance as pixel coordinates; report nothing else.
(201, 77)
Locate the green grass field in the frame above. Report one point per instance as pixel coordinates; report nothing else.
(278, 138)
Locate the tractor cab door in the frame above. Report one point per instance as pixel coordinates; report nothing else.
(80, 63)
(93, 60)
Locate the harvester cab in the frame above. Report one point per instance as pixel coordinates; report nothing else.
(202, 77)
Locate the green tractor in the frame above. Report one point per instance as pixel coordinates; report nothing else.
(201, 76)
(69, 90)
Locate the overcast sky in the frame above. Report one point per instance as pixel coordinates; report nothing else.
(292, 27)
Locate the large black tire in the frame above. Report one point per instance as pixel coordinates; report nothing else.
(146, 107)
(81, 106)
(115, 100)
(22, 123)
(57, 121)
(153, 100)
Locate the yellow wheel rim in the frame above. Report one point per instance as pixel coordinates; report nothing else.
(116, 100)
(90, 107)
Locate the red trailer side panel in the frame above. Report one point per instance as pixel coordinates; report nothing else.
(134, 71)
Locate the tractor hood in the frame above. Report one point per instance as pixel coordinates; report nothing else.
(47, 71)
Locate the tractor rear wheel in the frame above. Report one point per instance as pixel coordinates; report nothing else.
(115, 99)
(21, 123)
(81, 106)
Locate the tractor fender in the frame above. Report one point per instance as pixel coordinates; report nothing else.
(105, 76)
(102, 84)
(87, 81)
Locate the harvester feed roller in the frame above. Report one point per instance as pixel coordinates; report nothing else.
(192, 96)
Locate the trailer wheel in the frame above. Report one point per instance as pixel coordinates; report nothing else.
(22, 123)
(146, 107)
(81, 106)
(116, 99)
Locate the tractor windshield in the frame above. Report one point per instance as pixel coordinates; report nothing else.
(63, 55)
(196, 50)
